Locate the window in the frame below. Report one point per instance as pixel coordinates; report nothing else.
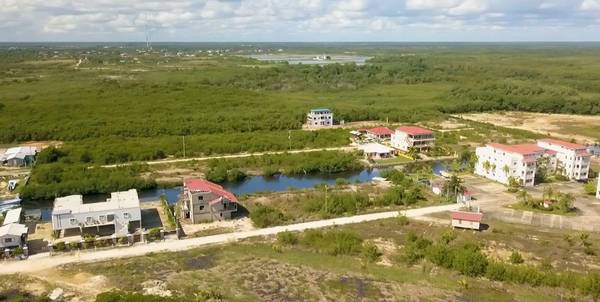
(126, 216)
(200, 197)
(201, 208)
(110, 217)
(89, 220)
(7, 240)
(73, 221)
(102, 218)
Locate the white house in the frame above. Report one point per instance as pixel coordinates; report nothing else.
(407, 137)
(318, 118)
(500, 162)
(13, 235)
(376, 151)
(18, 156)
(572, 160)
(12, 232)
(466, 220)
(598, 189)
(121, 209)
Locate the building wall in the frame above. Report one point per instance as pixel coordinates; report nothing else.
(63, 221)
(202, 211)
(573, 166)
(15, 241)
(518, 167)
(457, 223)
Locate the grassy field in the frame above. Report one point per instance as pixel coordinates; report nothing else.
(269, 270)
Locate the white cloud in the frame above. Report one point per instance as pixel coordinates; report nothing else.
(281, 19)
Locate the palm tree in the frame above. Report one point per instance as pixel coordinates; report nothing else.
(487, 166)
(506, 169)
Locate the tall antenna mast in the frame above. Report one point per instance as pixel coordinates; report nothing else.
(147, 32)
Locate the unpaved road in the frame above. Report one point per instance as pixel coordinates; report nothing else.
(44, 261)
(241, 155)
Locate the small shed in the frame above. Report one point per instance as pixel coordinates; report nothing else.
(466, 220)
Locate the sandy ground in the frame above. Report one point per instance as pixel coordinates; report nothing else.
(237, 225)
(547, 124)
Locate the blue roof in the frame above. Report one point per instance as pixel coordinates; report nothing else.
(320, 110)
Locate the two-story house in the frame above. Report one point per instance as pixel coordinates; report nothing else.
(122, 210)
(206, 201)
(407, 137)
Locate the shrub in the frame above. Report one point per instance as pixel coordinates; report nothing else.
(335, 242)
(287, 238)
(370, 252)
(469, 261)
(403, 220)
(516, 258)
(74, 245)
(341, 181)
(264, 216)
(123, 240)
(60, 246)
(153, 234)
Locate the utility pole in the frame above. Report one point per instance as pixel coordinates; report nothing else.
(290, 139)
(184, 146)
(326, 199)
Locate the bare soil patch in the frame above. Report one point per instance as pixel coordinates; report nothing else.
(563, 126)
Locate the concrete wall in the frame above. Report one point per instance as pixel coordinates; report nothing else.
(202, 211)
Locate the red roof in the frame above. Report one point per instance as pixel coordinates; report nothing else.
(414, 130)
(381, 131)
(523, 149)
(207, 186)
(567, 145)
(468, 216)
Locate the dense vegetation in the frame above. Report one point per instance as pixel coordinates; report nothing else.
(468, 259)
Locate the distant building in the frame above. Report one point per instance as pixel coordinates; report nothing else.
(376, 151)
(407, 137)
(572, 160)
(594, 149)
(205, 201)
(120, 210)
(379, 133)
(466, 220)
(500, 162)
(318, 118)
(12, 233)
(18, 156)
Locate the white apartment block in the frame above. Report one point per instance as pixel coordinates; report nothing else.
(572, 160)
(500, 162)
(121, 209)
(407, 137)
(318, 118)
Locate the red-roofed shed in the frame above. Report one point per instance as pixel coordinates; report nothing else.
(466, 220)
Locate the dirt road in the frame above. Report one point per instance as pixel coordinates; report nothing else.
(44, 261)
(241, 155)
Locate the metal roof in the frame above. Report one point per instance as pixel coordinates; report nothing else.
(15, 229)
(12, 216)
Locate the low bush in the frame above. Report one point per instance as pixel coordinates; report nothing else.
(516, 258)
(264, 216)
(287, 238)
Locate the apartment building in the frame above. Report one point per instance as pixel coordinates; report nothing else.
(500, 162)
(407, 137)
(572, 160)
(120, 210)
(205, 201)
(318, 118)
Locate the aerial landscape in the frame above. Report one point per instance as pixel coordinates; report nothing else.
(257, 150)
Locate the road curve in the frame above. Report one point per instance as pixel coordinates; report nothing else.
(44, 261)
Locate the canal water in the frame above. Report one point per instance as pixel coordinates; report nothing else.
(250, 185)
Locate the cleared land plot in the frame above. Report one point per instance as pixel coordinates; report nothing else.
(582, 128)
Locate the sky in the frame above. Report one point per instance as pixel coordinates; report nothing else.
(299, 20)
